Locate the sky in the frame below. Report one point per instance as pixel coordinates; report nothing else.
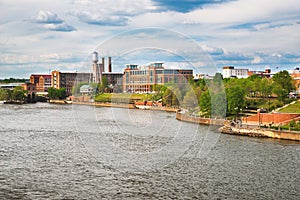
(40, 36)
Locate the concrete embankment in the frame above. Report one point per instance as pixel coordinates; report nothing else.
(130, 106)
(114, 105)
(252, 132)
(200, 120)
(267, 133)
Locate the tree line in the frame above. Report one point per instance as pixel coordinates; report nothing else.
(220, 97)
(17, 94)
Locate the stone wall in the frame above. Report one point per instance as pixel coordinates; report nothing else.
(199, 120)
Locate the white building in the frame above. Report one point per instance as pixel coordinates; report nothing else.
(231, 72)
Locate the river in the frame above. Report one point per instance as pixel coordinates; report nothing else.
(82, 152)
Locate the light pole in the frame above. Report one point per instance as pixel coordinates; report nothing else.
(258, 112)
(246, 117)
(269, 96)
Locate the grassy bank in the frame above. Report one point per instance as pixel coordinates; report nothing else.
(122, 98)
(292, 108)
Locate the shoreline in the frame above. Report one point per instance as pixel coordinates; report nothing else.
(251, 132)
(261, 133)
(114, 105)
(224, 128)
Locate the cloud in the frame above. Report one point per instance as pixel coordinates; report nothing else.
(101, 20)
(185, 5)
(212, 50)
(47, 17)
(243, 11)
(258, 26)
(60, 27)
(52, 22)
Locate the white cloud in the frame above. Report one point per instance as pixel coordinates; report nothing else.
(243, 11)
(47, 17)
(60, 27)
(98, 19)
(256, 60)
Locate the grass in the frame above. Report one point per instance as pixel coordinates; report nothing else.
(292, 108)
(122, 98)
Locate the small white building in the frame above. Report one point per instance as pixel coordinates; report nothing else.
(231, 72)
(86, 89)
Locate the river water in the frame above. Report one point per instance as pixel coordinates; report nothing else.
(83, 152)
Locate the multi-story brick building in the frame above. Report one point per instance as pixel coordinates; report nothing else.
(143, 80)
(68, 79)
(42, 82)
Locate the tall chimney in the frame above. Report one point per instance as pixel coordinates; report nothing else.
(103, 64)
(109, 64)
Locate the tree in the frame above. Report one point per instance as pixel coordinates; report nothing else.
(235, 98)
(103, 86)
(205, 103)
(57, 93)
(283, 79)
(4, 94)
(18, 94)
(52, 93)
(62, 93)
(265, 87)
(283, 84)
(218, 105)
(190, 100)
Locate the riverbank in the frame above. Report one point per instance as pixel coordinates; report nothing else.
(200, 120)
(114, 105)
(260, 132)
(252, 132)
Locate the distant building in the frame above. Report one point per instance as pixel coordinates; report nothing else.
(31, 90)
(114, 80)
(42, 81)
(295, 74)
(68, 79)
(263, 74)
(202, 76)
(231, 72)
(143, 80)
(86, 89)
(11, 86)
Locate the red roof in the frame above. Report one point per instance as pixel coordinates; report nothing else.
(39, 75)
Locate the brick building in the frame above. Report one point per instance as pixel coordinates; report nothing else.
(68, 79)
(42, 81)
(143, 80)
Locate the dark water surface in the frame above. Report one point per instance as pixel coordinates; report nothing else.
(80, 152)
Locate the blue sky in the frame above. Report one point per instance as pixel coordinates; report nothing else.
(40, 35)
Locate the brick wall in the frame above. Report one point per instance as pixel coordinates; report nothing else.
(268, 118)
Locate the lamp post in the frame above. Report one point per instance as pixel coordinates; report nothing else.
(246, 117)
(258, 112)
(269, 96)
(236, 111)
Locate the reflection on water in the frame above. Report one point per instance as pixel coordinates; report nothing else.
(80, 152)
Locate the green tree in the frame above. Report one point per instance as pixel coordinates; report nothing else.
(283, 84)
(103, 86)
(235, 98)
(4, 94)
(190, 100)
(18, 94)
(62, 94)
(205, 104)
(265, 87)
(218, 105)
(52, 93)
